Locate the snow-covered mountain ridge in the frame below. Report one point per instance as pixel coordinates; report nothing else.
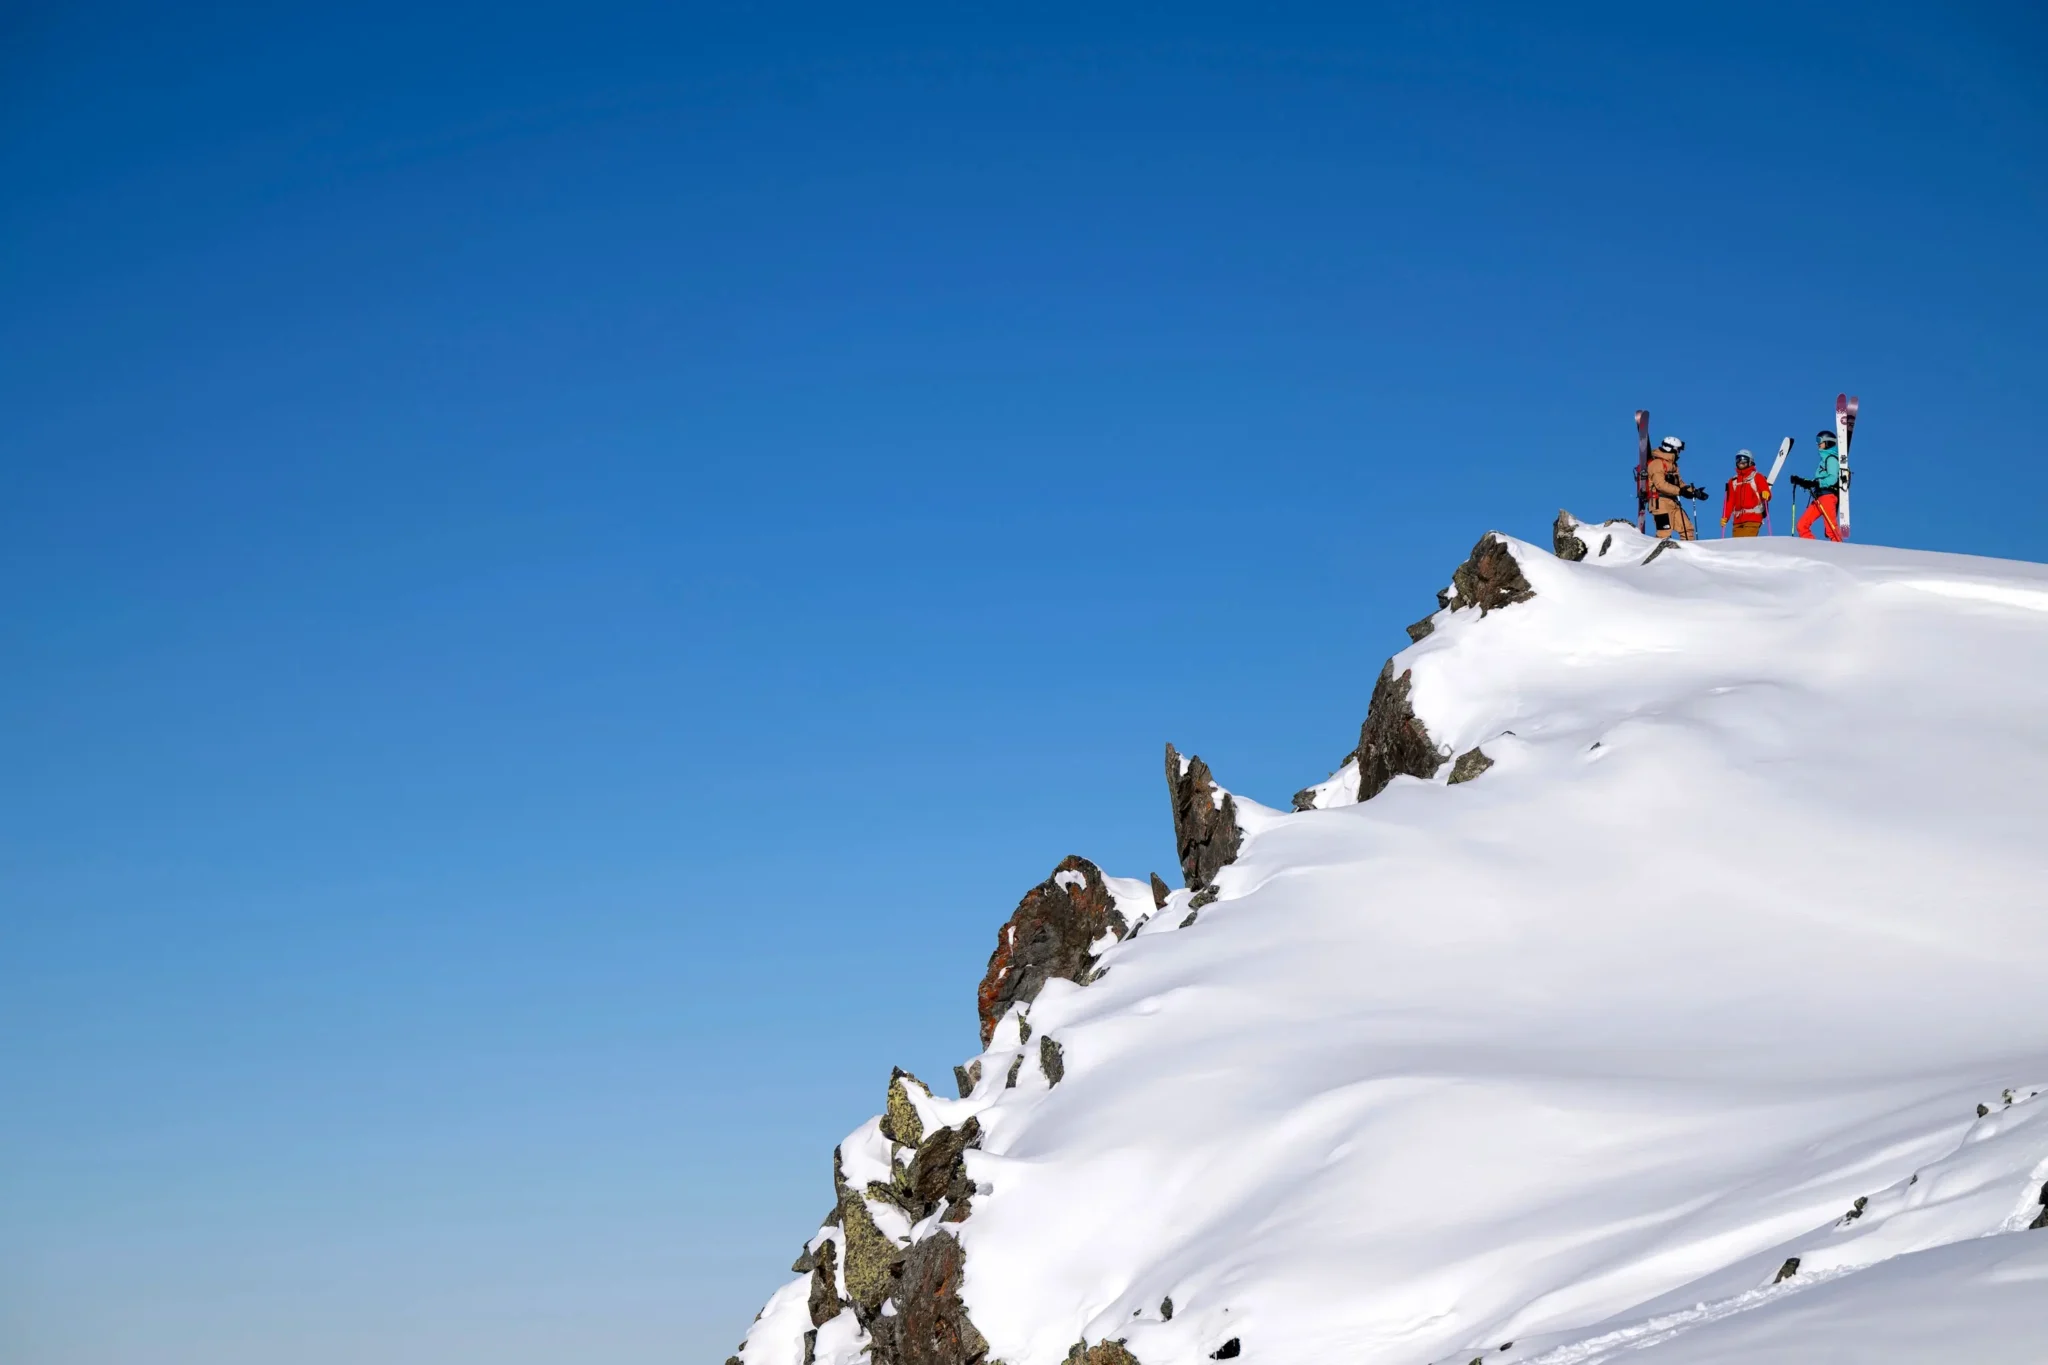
(1660, 978)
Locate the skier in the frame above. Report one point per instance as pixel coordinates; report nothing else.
(1748, 499)
(1666, 488)
(1824, 487)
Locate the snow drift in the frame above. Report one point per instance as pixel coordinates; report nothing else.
(1677, 995)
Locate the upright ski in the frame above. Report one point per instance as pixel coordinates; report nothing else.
(1642, 465)
(1777, 468)
(1845, 427)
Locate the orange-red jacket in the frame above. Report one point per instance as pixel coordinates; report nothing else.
(1749, 497)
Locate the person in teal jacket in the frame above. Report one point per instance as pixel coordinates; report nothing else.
(1826, 488)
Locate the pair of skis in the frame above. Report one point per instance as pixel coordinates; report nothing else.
(1845, 427)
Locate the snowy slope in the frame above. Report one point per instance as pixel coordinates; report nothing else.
(1744, 924)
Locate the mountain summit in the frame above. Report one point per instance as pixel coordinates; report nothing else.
(1660, 976)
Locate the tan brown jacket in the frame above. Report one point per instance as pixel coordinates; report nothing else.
(1664, 483)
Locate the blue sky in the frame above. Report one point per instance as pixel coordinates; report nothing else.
(561, 569)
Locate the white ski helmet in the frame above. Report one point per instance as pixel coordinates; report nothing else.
(1671, 445)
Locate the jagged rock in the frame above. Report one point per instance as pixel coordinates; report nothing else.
(1102, 1353)
(1662, 546)
(1023, 1029)
(939, 1167)
(2042, 1220)
(900, 1123)
(1160, 892)
(870, 1257)
(1606, 543)
(811, 1347)
(825, 1302)
(1393, 739)
(930, 1325)
(1205, 832)
(1166, 1310)
(1490, 578)
(1787, 1270)
(967, 1077)
(1982, 1110)
(1563, 538)
(1048, 937)
(1229, 1350)
(1016, 1065)
(1051, 1060)
(1470, 764)
(1856, 1209)
(1421, 629)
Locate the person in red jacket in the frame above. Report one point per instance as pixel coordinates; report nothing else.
(1748, 500)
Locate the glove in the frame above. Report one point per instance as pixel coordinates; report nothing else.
(1808, 484)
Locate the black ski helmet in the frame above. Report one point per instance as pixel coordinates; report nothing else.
(1825, 436)
(1744, 460)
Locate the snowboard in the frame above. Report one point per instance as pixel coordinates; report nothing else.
(1642, 465)
(1845, 427)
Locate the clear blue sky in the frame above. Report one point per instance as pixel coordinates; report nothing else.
(561, 568)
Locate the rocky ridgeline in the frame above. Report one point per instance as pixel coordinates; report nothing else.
(885, 1269)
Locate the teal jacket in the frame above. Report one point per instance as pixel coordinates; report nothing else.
(1829, 475)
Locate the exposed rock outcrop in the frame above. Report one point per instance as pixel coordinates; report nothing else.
(930, 1325)
(1564, 537)
(870, 1256)
(1205, 830)
(1160, 892)
(1101, 1353)
(1470, 764)
(825, 1304)
(900, 1122)
(1489, 579)
(939, 1170)
(1393, 739)
(1047, 937)
(1051, 1060)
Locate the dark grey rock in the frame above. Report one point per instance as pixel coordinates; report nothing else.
(1662, 546)
(1606, 543)
(1393, 739)
(1422, 629)
(825, 1302)
(1160, 891)
(1016, 1065)
(1564, 539)
(965, 1078)
(1227, 1351)
(1051, 1060)
(1787, 1270)
(939, 1168)
(1470, 764)
(1205, 834)
(1166, 1310)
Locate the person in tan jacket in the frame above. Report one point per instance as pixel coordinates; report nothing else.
(1666, 490)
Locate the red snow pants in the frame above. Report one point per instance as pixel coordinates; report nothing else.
(1821, 509)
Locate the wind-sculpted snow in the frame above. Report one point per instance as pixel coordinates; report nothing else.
(1575, 1059)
